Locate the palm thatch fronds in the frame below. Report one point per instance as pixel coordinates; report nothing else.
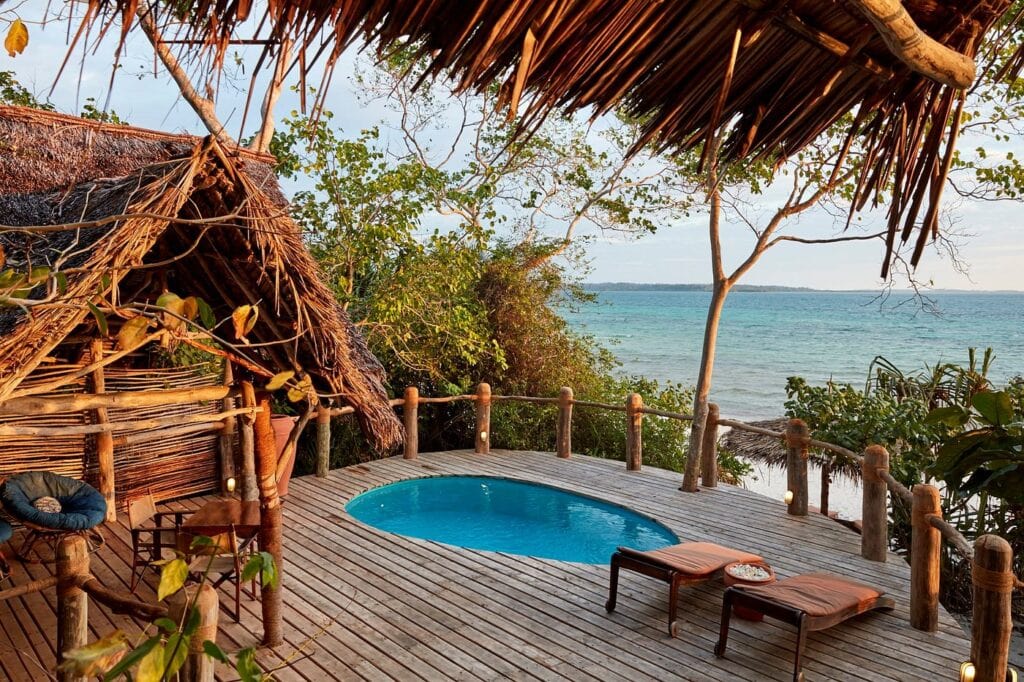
(772, 451)
(776, 74)
(168, 213)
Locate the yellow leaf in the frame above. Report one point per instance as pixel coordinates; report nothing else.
(151, 667)
(300, 391)
(244, 319)
(17, 38)
(132, 333)
(173, 304)
(96, 658)
(190, 308)
(172, 578)
(279, 379)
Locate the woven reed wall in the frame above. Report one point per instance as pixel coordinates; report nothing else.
(164, 463)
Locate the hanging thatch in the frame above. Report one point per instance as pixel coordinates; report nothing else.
(772, 451)
(776, 73)
(168, 213)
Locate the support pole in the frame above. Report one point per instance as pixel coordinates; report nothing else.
(226, 440)
(991, 624)
(874, 513)
(198, 667)
(797, 435)
(634, 431)
(270, 519)
(248, 485)
(563, 434)
(709, 449)
(323, 440)
(72, 601)
(483, 419)
(410, 419)
(104, 439)
(925, 549)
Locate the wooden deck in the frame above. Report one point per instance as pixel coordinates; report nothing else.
(381, 606)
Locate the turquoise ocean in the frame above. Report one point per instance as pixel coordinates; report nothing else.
(766, 337)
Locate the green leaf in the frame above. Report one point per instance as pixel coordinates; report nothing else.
(200, 541)
(172, 578)
(952, 416)
(245, 666)
(206, 314)
(151, 667)
(62, 282)
(175, 653)
(263, 565)
(132, 333)
(166, 625)
(215, 652)
(279, 380)
(101, 319)
(995, 406)
(192, 624)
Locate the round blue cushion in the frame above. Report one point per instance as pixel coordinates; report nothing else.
(82, 506)
(5, 533)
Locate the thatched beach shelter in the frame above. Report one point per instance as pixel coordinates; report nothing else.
(110, 218)
(774, 74)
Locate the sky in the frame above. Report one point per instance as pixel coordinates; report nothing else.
(677, 253)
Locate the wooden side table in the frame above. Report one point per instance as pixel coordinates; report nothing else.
(729, 579)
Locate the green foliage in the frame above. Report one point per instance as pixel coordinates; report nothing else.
(15, 94)
(91, 111)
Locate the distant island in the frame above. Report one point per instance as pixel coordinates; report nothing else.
(639, 286)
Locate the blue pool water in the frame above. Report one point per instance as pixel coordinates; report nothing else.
(514, 517)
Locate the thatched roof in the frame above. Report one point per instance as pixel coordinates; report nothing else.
(772, 451)
(776, 73)
(56, 170)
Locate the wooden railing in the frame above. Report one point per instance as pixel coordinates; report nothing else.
(991, 557)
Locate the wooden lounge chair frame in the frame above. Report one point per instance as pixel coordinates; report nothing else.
(803, 621)
(640, 562)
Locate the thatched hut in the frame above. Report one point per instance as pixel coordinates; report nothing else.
(110, 218)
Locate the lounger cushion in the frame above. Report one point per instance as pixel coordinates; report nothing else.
(5, 532)
(699, 558)
(817, 594)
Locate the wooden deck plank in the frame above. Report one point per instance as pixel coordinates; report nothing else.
(392, 607)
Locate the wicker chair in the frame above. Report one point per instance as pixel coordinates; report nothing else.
(150, 537)
(82, 509)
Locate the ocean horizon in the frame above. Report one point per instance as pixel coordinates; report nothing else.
(770, 333)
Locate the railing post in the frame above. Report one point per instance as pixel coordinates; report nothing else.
(483, 419)
(634, 431)
(797, 435)
(874, 536)
(709, 449)
(563, 436)
(270, 522)
(410, 410)
(72, 601)
(226, 439)
(249, 485)
(991, 624)
(198, 667)
(323, 440)
(925, 549)
(104, 439)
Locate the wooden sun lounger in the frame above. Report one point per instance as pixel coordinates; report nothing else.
(683, 564)
(810, 602)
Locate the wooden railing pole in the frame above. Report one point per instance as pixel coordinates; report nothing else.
(226, 439)
(248, 486)
(410, 411)
(634, 431)
(323, 440)
(563, 436)
(797, 435)
(72, 601)
(483, 419)
(270, 521)
(709, 449)
(874, 536)
(925, 551)
(992, 622)
(104, 440)
(198, 667)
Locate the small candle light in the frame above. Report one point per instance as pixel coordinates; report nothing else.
(483, 435)
(231, 485)
(788, 497)
(967, 672)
